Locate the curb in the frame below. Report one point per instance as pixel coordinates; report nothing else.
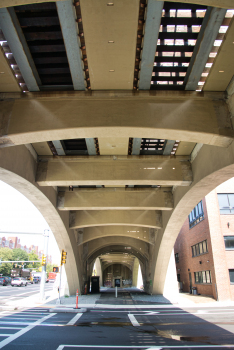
(68, 309)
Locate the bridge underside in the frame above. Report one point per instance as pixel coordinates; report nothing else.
(115, 121)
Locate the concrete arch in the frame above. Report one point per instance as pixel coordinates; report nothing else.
(124, 264)
(39, 118)
(116, 247)
(211, 167)
(17, 169)
(91, 218)
(140, 233)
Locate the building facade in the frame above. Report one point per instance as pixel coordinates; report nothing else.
(204, 249)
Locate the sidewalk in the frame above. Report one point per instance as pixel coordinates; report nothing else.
(127, 298)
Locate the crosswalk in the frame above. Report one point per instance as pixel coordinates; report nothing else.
(13, 324)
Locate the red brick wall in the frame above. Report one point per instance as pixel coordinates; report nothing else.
(187, 238)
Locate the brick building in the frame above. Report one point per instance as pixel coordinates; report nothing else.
(204, 249)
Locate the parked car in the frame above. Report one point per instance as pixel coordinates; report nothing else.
(19, 282)
(4, 280)
(36, 280)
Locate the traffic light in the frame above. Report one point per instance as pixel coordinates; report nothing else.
(43, 260)
(55, 269)
(63, 257)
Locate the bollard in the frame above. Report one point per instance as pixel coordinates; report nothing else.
(116, 292)
(77, 299)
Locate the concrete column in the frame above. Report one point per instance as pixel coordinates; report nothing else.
(171, 285)
(135, 272)
(99, 271)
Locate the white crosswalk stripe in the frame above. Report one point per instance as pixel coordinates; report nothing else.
(20, 323)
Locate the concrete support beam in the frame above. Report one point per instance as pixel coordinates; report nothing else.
(10, 3)
(140, 233)
(152, 25)
(13, 33)
(228, 4)
(114, 171)
(67, 18)
(116, 199)
(88, 218)
(207, 35)
(185, 116)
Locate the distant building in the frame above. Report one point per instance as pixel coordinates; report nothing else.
(15, 240)
(204, 249)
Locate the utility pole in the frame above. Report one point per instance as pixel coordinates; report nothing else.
(63, 261)
(44, 258)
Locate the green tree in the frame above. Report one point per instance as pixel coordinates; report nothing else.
(33, 256)
(6, 255)
(19, 254)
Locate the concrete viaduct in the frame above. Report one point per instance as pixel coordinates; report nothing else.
(115, 121)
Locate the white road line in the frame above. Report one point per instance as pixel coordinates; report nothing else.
(133, 320)
(144, 347)
(74, 319)
(11, 327)
(5, 335)
(24, 330)
(30, 323)
(19, 318)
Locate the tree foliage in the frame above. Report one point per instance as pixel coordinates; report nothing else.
(7, 254)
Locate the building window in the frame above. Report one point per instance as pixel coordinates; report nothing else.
(204, 277)
(178, 277)
(231, 275)
(196, 215)
(226, 203)
(177, 257)
(229, 242)
(200, 248)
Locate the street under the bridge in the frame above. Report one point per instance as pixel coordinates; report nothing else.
(118, 323)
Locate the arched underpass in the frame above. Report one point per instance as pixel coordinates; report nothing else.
(123, 163)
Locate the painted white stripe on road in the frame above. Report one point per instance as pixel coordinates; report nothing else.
(133, 320)
(5, 335)
(74, 319)
(11, 327)
(144, 347)
(23, 331)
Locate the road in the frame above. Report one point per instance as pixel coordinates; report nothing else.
(17, 293)
(158, 328)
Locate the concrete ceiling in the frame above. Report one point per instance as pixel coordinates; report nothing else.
(222, 70)
(111, 64)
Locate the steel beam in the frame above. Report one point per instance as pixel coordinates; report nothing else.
(91, 146)
(66, 13)
(13, 33)
(59, 148)
(168, 148)
(153, 20)
(207, 35)
(136, 146)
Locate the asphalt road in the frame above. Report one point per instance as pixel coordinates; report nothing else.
(160, 328)
(16, 293)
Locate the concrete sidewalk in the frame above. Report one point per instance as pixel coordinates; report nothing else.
(137, 299)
